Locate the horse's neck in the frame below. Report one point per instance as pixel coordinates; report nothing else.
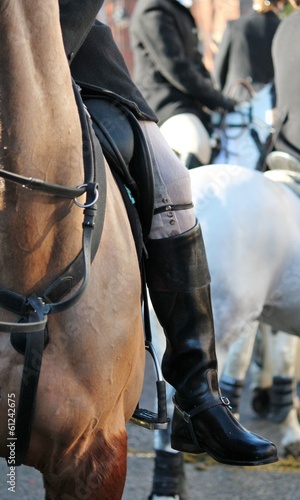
(40, 138)
(40, 126)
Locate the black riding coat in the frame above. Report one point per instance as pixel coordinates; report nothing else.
(286, 58)
(168, 66)
(245, 52)
(95, 58)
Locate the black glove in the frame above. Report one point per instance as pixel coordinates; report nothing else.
(229, 104)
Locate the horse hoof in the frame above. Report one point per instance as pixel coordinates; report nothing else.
(292, 450)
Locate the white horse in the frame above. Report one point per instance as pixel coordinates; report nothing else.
(274, 379)
(237, 208)
(251, 229)
(243, 134)
(277, 285)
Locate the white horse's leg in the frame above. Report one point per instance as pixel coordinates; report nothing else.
(236, 365)
(290, 441)
(274, 379)
(284, 400)
(261, 370)
(297, 370)
(283, 392)
(285, 347)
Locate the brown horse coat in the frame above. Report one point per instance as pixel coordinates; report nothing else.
(92, 369)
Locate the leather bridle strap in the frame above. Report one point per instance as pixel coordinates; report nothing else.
(56, 189)
(30, 378)
(13, 301)
(88, 227)
(42, 186)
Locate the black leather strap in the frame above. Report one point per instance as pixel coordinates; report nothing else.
(170, 208)
(140, 165)
(29, 384)
(42, 186)
(31, 371)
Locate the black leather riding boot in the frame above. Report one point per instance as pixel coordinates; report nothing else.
(178, 281)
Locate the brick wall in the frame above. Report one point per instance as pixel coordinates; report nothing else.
(118, 18)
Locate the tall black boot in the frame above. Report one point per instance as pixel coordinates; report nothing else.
(178, 281)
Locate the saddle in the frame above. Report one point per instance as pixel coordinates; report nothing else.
(124, 147)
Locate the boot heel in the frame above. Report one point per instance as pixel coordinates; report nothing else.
(179, 445)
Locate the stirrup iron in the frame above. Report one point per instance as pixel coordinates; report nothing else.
(146, 418)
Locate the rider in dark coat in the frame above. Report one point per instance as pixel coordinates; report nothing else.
(171, 75)
(176, 266)
(168, 66)
(286, 58)
(245, 50)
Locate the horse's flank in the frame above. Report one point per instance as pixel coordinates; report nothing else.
(92, 369)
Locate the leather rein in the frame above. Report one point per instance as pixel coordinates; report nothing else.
(29, 335)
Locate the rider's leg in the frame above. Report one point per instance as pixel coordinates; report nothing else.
(187, 136)
(179, 285)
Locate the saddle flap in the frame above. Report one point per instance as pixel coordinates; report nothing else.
(112, 128)
(125, 148)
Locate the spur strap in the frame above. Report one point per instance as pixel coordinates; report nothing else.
(188, 415)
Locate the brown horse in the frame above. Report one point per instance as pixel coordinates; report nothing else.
(92, 368)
